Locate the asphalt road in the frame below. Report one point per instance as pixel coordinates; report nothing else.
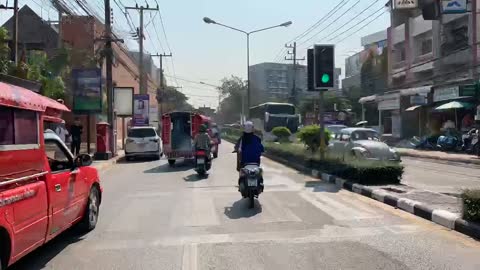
(439, 176)
(156, 217)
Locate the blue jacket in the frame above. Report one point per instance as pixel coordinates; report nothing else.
(251, 148)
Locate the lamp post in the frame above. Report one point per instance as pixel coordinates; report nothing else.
(285, 24)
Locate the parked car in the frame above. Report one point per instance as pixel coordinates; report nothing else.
(335, 129)
(44, 189)
(143, 142)
(362, 143)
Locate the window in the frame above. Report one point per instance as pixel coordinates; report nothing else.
(58, 158)
(18, 127)
(426, 46)
(142, 132)
(345, 137)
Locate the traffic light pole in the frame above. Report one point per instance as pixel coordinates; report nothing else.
(322, 125)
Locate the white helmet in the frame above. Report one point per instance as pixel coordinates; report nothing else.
(248, 127)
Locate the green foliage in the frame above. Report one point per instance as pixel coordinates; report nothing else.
(471, 205)
(310, 137)
(232, 91)
(282, 133)
(173, 100)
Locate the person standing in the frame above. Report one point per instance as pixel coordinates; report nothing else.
(76, 132)
(62, 132)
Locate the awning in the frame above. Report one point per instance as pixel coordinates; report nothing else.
(454, 105)
(413, 108)
(367, 99)
(18, 97)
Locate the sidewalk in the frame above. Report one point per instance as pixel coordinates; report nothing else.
(102, 165)
(438, 155)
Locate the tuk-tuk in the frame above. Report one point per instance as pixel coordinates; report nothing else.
(178, 131)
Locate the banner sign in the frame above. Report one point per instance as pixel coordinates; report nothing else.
(406, 4)
(446, 93)
(141, 110)
(123, 101)
(454, 6)
(87, 90)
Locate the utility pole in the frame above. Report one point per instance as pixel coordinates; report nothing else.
(293, 96)
(161, 86)
(141, 9)
(14, 54)
(109, 65)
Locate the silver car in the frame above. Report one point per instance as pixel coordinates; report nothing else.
(143, 142)
(362, 143)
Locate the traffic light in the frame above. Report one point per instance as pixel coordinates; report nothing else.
(310, 70)
(324, 56)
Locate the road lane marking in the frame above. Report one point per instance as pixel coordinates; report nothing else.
(190, 257)
(336, 209)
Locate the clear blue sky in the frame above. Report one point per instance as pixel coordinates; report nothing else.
(208, 53)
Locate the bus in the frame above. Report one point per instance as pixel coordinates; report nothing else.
(269, 115)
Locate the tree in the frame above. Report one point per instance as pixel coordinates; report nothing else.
(170, 99)
(233, 90)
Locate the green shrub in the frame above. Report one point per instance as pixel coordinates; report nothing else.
(471, 205)
(310, 137)
(282, 133)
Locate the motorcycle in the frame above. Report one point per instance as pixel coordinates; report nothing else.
(450, 141)
(426, 142)
(470, 141)
(202, 162)
(251, 182)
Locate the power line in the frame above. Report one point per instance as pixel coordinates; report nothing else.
(331, 23)
(364, 19)
(315, 25)
(351, 20)
(374, 19)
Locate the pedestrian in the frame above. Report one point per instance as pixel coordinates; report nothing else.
(62, 131)
(76, 132)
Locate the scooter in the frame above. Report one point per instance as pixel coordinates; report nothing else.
(251, 182)
(470, 141)
(202, 162)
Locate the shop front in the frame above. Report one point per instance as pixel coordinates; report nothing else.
(453, 107)
(389, 116)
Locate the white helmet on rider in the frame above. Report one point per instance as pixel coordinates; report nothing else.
(248, 127)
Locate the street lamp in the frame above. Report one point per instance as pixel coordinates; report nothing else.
(285, 24)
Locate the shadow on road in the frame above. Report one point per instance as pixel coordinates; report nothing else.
(240, 209)
(321, 186)
(195, 177)
(39, 258)
(123, 160)
(166, 168)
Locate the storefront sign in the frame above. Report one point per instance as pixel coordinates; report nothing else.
(123, 101)
(87, 90)
(454, 6)
(141, 110)
(468, 90)
(446, 93)
(418, 100)
(389, 104)
(406, 4)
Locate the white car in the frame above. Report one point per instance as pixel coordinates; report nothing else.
(143, 142)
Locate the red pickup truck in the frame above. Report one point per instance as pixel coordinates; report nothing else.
(44, 189)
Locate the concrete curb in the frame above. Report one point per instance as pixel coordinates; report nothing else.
(104, 165)
(439, 216)
(467, 161)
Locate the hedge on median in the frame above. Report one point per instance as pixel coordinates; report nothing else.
(471, 205)
(357, 171)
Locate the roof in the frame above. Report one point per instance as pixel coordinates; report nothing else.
(350, 130)
(21, 98)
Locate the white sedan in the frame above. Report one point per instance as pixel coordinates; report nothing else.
(143, 142)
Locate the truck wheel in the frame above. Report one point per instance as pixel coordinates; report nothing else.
(171, 162)
(90, 218)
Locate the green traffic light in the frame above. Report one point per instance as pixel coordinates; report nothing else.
(325, 78)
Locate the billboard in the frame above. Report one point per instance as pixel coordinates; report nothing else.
(87, 90)
(141, 110)
(123, 101)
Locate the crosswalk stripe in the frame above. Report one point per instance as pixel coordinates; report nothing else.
(335, 208)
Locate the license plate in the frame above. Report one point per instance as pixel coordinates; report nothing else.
(200, 161)
(252, 182)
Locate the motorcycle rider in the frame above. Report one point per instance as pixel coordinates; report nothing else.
(249, 148)
(202, 140)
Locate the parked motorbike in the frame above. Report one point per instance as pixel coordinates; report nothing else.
(426, 142)
(470, 141)
(450, 141)
(202, 162)
(251, 182)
